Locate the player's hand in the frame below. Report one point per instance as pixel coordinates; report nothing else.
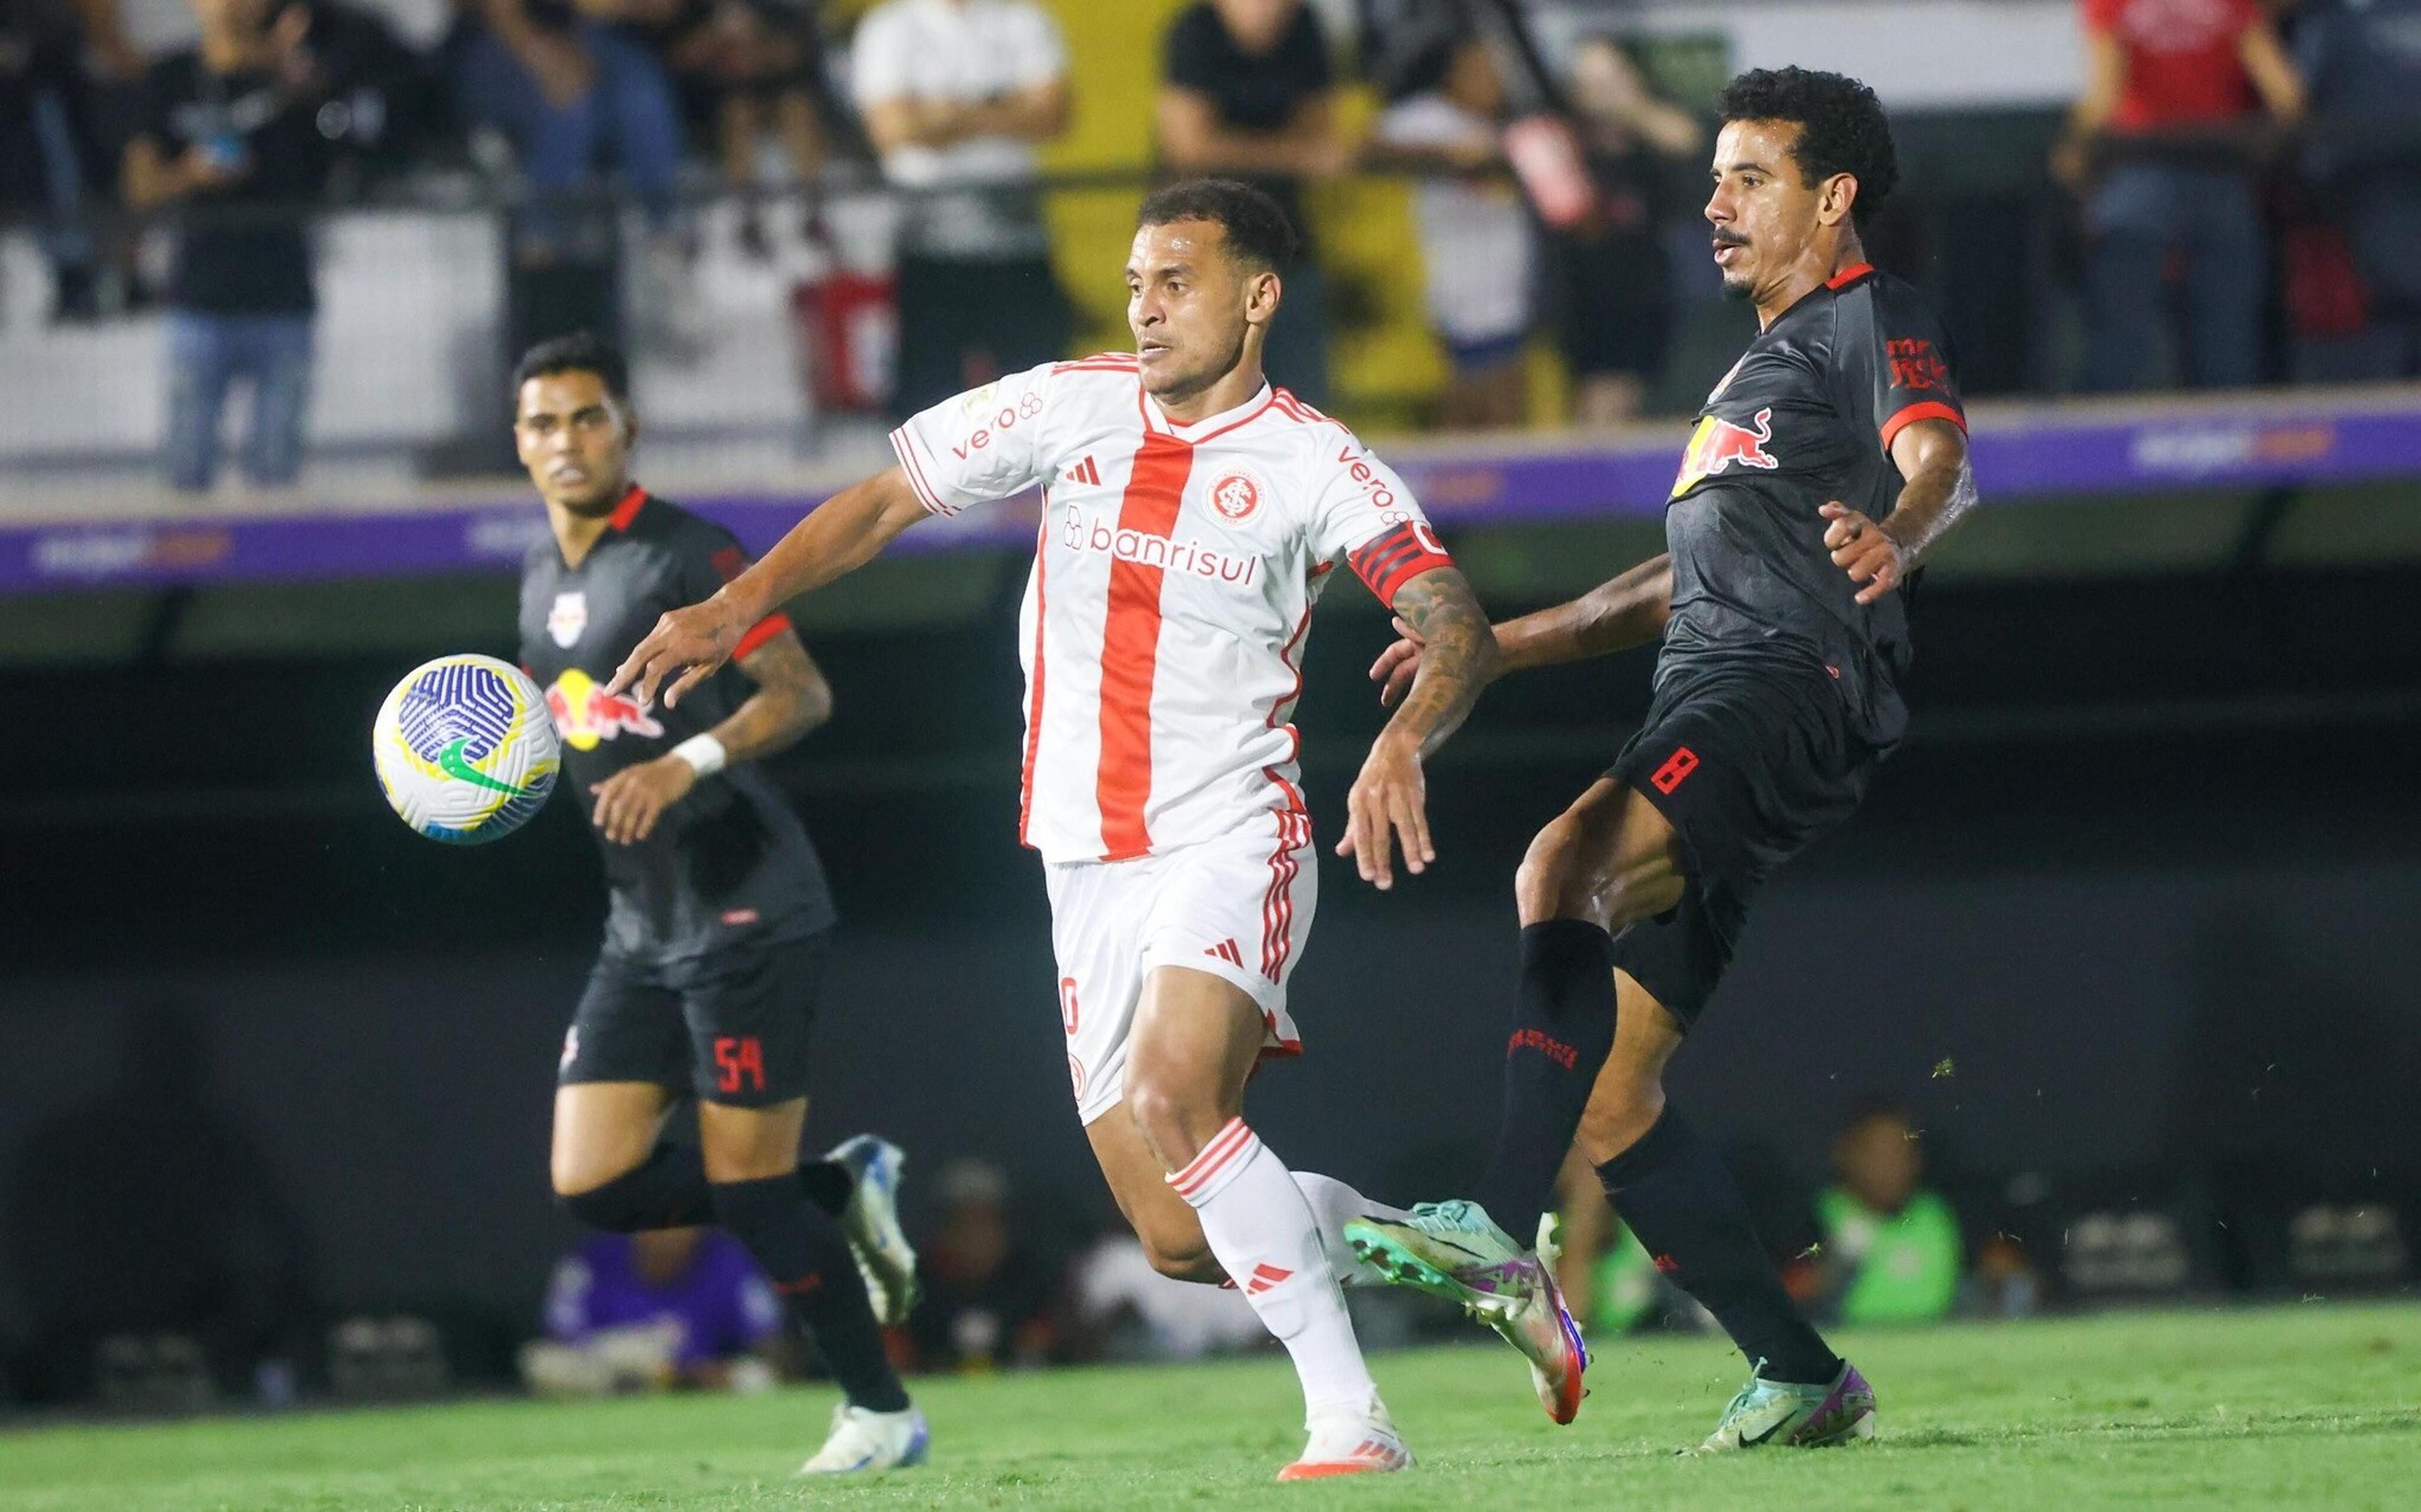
(1389, 802)
(692, 642)
(631, 801)
(1398, 666)
(1863, 549)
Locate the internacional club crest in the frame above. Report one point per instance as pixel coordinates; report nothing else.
(1235, 497)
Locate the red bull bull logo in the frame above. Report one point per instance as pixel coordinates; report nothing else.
(1718, 446)
(585, 713)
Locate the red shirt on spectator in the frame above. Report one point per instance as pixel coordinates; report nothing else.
(2182, 64)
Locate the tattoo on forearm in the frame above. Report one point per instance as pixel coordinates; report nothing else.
(1460, 660)
(1930, 503)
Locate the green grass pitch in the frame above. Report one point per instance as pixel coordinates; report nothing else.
(2300, 1407)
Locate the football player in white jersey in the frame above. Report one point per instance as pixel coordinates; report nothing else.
(1190, 517)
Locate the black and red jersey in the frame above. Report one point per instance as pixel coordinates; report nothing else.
(1806, 416)
(730, 863)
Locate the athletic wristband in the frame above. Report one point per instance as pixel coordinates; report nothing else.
(704, 753)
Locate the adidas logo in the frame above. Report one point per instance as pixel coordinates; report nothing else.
(1264, 1277)
(1084, 472)
(1226, 950)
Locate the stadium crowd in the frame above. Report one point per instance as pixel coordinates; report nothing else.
(2237, 192)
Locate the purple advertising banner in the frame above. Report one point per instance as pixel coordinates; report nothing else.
(2021, 453)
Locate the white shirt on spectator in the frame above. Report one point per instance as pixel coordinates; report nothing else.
(1474, 237)
(969, 52)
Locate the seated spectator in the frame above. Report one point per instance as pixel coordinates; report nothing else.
(1248, 92)
(1891, 1251)
(989, 1302)
(2364, 60)
(1475, 235)
(759, 64)
(669, 1307)
(956, 96)
(564, 81)
(1611, 285)
(2160, 146)
(229, 140)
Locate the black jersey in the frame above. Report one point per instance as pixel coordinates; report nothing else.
(1806, 416)
(730, 863)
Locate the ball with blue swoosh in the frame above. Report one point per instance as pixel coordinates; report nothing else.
(465, 749)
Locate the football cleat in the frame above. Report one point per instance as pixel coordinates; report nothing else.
(872, 1221)
(870, 1443)
(1454, 1250)
(1350, 1443)
(1781, 1414)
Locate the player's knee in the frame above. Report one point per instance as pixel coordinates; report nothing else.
(1164, 1111)
(1543, 884)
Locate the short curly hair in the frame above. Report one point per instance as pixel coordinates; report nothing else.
(1259, 233)
(1842, 126)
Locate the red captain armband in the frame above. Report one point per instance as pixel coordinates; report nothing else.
(1393, 557)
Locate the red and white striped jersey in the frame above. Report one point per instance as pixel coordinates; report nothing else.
(1172, 588)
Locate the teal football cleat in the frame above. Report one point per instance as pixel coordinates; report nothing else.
(1454, 1250)
(1777, 1413)
(871, 1222)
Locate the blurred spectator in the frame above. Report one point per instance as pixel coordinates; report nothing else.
(760, 67)
(564, 80)
(230, 139)
(1612, 284)
(1248, 92)
(956, 96)
(1129, 1311)
(988, 1301)
(2363, 61)
(2161, 145)
(1476, 231)
(46, 148)
(668, 1307)
(1891, 1251)
(149, 1240)
(386, 110)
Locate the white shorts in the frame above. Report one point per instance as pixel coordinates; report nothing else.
(1239, 907)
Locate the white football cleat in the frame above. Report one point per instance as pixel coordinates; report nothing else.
(1350, 1443)
(870, 1443)
(871, 1222)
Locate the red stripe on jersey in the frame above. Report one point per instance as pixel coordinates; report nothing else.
(1034, 697)
(1111, 361)
(906, 447)
(1924, 410)
(758, 633)
(1131, 648)
(1286, 707)
(1849, 275)
(627, 510)
(1278, 904)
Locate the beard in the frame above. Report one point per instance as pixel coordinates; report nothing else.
(1184, 386)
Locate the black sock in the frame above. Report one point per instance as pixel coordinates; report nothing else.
(1672, 1188)
(1563, 1029)
(829, 1185)
(668, 1190)
(802, 1253)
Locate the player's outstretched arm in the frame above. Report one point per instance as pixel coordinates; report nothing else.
(1616, 616)
(1389, 801)
(791, 699)
(839, 537)
(1940, 489)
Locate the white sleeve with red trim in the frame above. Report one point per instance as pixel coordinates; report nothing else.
(1366, 514)
(984, 444)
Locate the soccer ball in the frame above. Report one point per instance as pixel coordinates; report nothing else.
(465, 749)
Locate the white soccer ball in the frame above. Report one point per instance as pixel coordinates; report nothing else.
(465, 749)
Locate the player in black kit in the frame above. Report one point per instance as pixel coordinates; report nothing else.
(718, 918)
(1828, 460)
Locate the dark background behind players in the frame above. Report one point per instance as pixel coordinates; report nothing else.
(2158, 800)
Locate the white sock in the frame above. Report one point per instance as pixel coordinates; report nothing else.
(1332, 1204)
(1264, 1234)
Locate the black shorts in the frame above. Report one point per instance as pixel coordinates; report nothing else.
(733, 1032)
(1749, 762)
